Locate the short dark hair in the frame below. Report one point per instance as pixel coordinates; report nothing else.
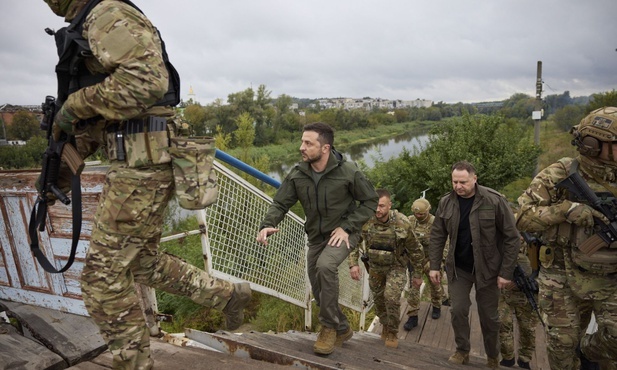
(464, 166)
(383, 193)
(324, 132)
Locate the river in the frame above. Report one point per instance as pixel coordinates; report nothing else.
(370, 153)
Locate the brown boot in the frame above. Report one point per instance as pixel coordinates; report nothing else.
(492, 363)
(344, 337)
(459, 358)
(392, 340)
(384, 333)
(234, 314)
(325, 341)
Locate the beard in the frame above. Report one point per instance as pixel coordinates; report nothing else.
(308, 159)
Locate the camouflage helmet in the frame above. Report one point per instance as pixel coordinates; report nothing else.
(597, 127)
(421, 206)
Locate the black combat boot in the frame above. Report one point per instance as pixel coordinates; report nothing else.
(436, 313)
(585, 363)
(411, 323)
(507, 363)
(523, 364)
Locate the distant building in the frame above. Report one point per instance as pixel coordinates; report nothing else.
(370, 103)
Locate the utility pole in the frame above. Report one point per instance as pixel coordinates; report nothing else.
(537, 113)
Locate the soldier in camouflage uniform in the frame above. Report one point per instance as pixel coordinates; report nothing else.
(514, 301)
(124, 247)
(421, 222)
(575, 279)
(390, 245)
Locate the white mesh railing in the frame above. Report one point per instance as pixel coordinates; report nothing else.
(229, 230)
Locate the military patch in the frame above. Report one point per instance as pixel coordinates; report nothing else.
(602, 122)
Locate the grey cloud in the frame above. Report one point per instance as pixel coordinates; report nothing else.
(400, 49)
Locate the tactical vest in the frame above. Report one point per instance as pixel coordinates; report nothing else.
(422, 230)
(565, 234)
(73, 50)
(382, 241)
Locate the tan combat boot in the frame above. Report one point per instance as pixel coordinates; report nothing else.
(234, 314)
(384, 333)
(344, 337)
(492, 363)
(325, 341)
(459, 358)
(392, 340)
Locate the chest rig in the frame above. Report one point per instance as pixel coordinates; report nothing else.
(382, 240)
(74, 50)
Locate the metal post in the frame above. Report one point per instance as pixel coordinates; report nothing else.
(537, 114)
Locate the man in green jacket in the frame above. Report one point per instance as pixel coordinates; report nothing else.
(484, 244)
(337, 200)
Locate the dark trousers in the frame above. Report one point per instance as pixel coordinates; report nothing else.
(323, 261)
(487, 300)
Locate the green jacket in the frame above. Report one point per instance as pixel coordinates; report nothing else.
(495, 239)
(343, 197)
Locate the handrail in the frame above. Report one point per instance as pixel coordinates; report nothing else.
(222, 156)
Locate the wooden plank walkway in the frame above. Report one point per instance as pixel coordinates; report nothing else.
(439, 334)
(427, 346)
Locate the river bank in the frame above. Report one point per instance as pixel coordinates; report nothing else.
(344, 141)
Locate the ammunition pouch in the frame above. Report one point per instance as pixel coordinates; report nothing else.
(546, 255)
(382, 258)
(601, 262)
(194, 176)
(140, 142)
(382, 247)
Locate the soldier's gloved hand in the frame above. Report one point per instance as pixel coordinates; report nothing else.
(64, 121)
(581, 214)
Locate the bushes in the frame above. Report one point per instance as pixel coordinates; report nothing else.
(23, 156)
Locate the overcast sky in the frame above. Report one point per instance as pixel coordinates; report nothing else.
(441, 50)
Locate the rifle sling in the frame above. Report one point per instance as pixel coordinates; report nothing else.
(35, 222)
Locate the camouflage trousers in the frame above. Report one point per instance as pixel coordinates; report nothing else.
(387, 284)
(412, 294)
(515, 302)
(599, 292)
(124, 250)
(566, 317)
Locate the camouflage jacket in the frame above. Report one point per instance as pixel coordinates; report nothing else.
(126, 47)
(541, 212)
(422, 230)
(496, 240)
(343, 197)
(392, 243)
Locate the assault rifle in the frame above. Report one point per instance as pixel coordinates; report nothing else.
(529, 286)
(606, 234)
(57, 152)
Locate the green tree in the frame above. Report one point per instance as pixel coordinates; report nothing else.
(606, 99)
(222, 139)
(195, 115)
(499, 149)
(23, 156)
(244, 135)
(24, 126)
(568, 116)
